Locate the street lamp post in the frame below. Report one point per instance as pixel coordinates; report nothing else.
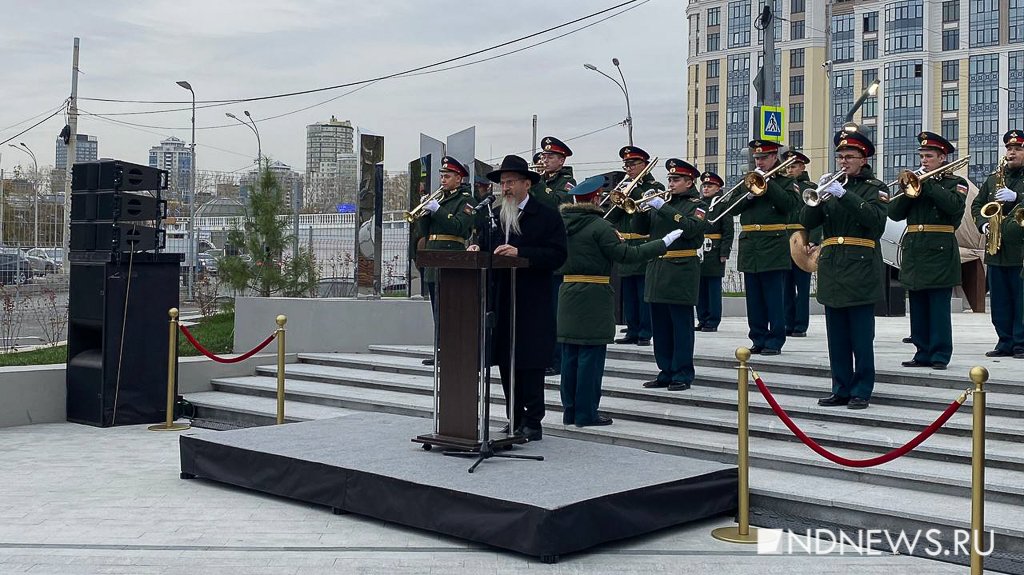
(193, 244)
(868, 92)
(623, 88)
(35, 192)
(259, 146)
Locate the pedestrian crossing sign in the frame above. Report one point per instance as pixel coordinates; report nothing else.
(771, 123)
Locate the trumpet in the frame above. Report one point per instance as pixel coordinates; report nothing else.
(756, 183)
(421, 210)
(538, 167)
(910, 182)
(620, 195)
(815, 197)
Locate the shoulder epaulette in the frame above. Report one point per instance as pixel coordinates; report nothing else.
(875, 182)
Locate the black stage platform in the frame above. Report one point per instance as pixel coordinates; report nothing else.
(581, 495)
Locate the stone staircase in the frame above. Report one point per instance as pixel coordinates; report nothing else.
(790, 485)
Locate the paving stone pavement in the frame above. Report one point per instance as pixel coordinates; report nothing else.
(81, 500)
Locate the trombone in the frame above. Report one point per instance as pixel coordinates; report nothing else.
(817, 196)
(643, 205)
(756, 183)
(619, 197)
(421, 210)
(910, 182)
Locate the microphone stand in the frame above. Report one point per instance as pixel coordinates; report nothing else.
(487, 322)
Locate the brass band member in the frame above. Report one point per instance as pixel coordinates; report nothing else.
(672, 279)
(931, 256)
(1006, 293)
(635, 311)
(798, 281)
(448, 225)
(850, 269)
(586, 319)
(764, 249)
(717, 246)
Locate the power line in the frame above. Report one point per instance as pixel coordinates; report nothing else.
(591, 133)
(59, 110)
(377, 79)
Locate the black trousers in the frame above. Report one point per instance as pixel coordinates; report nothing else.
(851, 354)
(1007, 297)
(529, 401)
(766, 308)
(931, 326)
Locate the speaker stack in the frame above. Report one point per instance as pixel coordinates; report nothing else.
(120, 289)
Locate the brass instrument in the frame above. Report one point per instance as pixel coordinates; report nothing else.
(421, 210)
(910, 182)
(756, 184)
(993, 212)
(815, 197)
(643, 205)
(538, 167)
(619, 197)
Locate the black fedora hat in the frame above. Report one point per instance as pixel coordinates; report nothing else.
(513, 163)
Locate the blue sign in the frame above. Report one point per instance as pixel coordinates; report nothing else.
(771, 123)
(346, 208)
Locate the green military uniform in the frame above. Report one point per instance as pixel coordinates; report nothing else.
(1004, 267)
(764, 253)
(553, 190)
(850, 272)
(718, 238)
(449, 227)
(930, 265)
(798, 281)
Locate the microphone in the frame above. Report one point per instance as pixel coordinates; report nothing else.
(485, 202)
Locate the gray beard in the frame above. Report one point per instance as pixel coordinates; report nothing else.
(509, 215)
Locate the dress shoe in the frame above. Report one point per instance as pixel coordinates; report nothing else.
(428, 361)
(601, 420)
(767, 351)
(938, 365)
(999, 353)
(551, 371)
(710, 329)
(908, 340)
(857, 403)
(833, 400)
(645, 342)
(915, 363)
(1018, 355)
(798, 334)
(630, 340)
(698, 327)
(678, 386)
(530, 433)
(655, 383)
(756, 349)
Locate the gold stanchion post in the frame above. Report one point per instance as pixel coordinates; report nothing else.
(979, 375)
(281, 320)
(172, 371)
(742, 532)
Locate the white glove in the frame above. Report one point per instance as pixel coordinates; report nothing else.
(836, 189)
(432, 206)
(760, 171)
(671, 237)
(656, 203)
(984, 228)
(823, 179)
(1006, 195)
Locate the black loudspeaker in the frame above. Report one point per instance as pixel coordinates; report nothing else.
(894, 301)
(114, 237)
(116, 207)
(116, 176)
(101, 344)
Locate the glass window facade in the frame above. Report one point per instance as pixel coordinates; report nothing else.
(870, 22)
(951, 100)
(904, 26)
(1016, 21)
(870, 107)
(739, 23)
(797, 6)
(713, 67)
(951, 130)
(796, 113)
(951, 11)
(951, 39)
(842, 38)
(711, 120)
(983, 137)
(713, 42)
(842, 98)
(714, 16)
(737, 128)
(1016, 89)
(796, 139)
(951, 71)
(903, 111)
(711, 96)
(711, 146)
(870, 50)
(796, 58)
(796, 30)
(984, 28)
(796, 85)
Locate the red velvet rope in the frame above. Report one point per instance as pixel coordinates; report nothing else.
(871, 462)
(217, 358)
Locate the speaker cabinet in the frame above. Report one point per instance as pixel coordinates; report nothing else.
(116, 176)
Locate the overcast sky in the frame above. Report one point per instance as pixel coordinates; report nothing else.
(233, 49)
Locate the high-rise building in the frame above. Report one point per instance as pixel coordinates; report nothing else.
(174, 156)
(86, 150)
(289, 179)
(330, 162)
(940, 62)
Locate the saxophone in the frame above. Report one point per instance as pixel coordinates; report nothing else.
(993, 211)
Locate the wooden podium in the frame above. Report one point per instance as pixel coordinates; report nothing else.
(461, 387)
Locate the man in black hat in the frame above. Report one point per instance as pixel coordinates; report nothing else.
(930, 266)
(531, 230)
(1006, 186)
(447, 225)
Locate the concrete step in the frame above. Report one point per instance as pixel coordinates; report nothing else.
(909, 409)
(781, 364)
(784, 476)
(715, 437)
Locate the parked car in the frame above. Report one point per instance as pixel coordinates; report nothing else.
(50, 264)
(207, 264)
(14, 269)
(31, 264)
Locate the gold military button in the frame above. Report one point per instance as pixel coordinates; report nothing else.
(920, 227)
(757, 227)
(841, 240)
